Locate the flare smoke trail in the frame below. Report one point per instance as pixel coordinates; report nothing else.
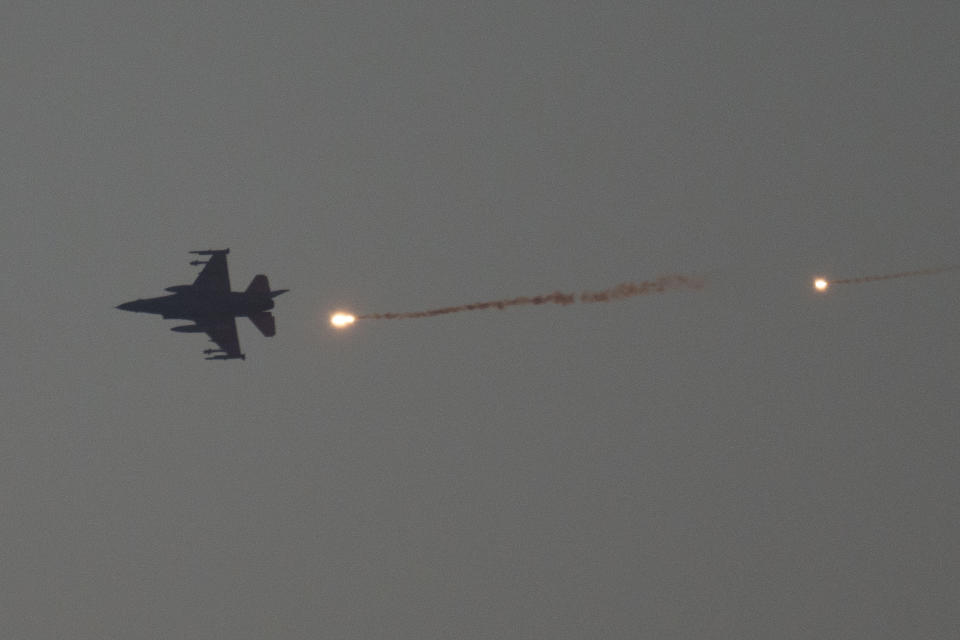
(619, 292)
(892, 276)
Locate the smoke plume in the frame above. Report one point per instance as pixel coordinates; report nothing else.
(892, 276)
(619, 292)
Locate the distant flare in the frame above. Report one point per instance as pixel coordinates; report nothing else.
(341, 320)
(821, 284)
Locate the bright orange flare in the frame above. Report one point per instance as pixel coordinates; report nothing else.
(821, 284)
(341, 320)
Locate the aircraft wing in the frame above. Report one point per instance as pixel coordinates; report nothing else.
(214, 276)
(223, 331)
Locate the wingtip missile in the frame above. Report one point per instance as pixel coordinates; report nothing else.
(211, 252)
(194, 263)
(241, 356)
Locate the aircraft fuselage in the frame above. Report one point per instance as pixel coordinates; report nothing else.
(190, 305)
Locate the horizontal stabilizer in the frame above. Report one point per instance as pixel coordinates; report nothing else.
(264, 321)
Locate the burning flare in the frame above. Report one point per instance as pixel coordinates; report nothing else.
(822, 284)
(341, 320)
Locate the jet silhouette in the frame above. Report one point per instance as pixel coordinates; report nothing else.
(212, 307)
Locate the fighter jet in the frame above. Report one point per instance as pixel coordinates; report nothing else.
(212, 307)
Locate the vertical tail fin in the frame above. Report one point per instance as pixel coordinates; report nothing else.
(259, 284)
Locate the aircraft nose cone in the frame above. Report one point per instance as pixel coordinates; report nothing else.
(126, 306)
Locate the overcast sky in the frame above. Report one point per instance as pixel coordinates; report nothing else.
(750, 460)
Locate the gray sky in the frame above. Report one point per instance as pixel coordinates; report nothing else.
(751, 460)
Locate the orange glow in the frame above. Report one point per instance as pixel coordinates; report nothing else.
(342, 320)
(821, 284)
